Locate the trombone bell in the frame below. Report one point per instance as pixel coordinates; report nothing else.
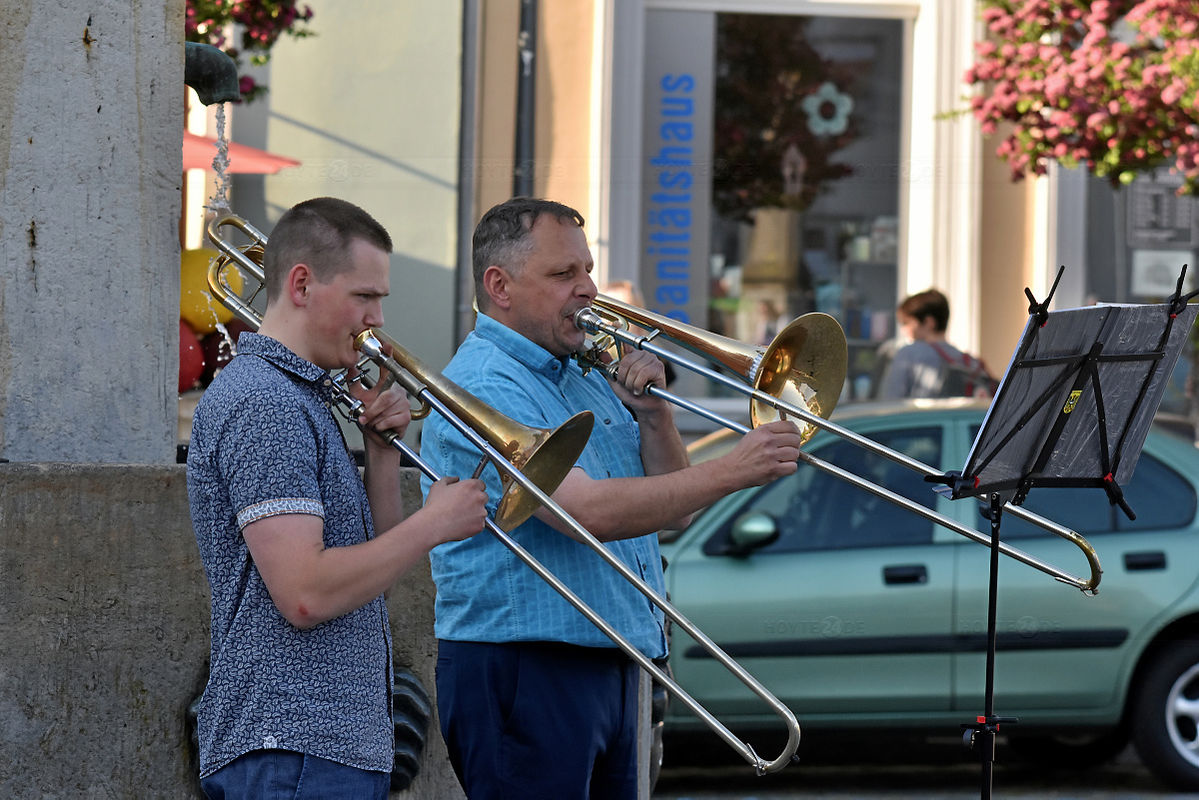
(805, 365)
(546, 459)
(546, 456)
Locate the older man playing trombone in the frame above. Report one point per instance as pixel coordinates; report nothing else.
(534, 700)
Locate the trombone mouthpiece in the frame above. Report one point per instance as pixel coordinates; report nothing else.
(368, 345)
(587, 320)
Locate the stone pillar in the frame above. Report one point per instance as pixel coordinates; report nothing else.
(104, 635)
(91, 114)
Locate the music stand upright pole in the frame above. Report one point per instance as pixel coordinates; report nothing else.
(1072, 411)
(982, 733)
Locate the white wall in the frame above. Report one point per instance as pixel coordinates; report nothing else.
(370, 105)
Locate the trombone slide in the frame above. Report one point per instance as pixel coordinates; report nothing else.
(374, 349)
(595, 323)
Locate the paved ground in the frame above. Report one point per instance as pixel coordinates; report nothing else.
(896, 772)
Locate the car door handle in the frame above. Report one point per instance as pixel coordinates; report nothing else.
(1149, 559)
(905, 573)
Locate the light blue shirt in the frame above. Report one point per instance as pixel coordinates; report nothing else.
(484, 592)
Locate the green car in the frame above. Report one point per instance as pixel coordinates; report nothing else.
(861, 615)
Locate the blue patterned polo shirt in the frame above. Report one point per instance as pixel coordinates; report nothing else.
(484, 592)
(265, 442)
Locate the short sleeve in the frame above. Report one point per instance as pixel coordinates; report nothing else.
(268, 456)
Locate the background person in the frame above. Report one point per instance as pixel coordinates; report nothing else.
(769, 321)
(300, 677)
(534, 701)
(930, 366)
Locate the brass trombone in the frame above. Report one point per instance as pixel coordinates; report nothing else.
(799, 374)
(532, 462)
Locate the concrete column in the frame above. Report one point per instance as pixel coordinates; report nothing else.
(91, 105)
(104, 635)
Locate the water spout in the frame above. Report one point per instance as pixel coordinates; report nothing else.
(212, 73)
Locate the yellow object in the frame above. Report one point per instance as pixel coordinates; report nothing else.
(196, 304)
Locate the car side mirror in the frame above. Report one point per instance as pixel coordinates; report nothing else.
(751, 531)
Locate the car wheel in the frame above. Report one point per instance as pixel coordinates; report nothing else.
(1165, 719)
(1083, 750)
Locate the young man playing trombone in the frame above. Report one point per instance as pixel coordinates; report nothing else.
(299, 682)
(534, 701)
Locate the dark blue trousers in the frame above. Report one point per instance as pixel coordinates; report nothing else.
(539, 720)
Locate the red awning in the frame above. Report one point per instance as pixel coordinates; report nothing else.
(199, 151)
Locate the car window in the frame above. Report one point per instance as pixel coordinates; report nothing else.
(818, 511)
(1084, 511)
(1159, 496)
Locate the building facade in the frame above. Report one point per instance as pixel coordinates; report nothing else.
(682, 131)
(741, 161)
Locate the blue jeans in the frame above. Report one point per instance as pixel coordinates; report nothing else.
(284, 775)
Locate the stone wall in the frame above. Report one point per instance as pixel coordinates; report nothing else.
(104, 634)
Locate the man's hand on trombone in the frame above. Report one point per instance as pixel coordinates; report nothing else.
(385, 408)
(767, 452)
(635, 371)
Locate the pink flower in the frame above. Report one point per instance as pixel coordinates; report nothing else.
(1173, 93)
(1053, 73)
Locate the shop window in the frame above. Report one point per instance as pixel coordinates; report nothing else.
(805, 179)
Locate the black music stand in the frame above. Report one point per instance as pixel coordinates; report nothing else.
(1073, 410)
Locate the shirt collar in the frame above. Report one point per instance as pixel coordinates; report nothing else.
(533, 356)
(277, 354)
